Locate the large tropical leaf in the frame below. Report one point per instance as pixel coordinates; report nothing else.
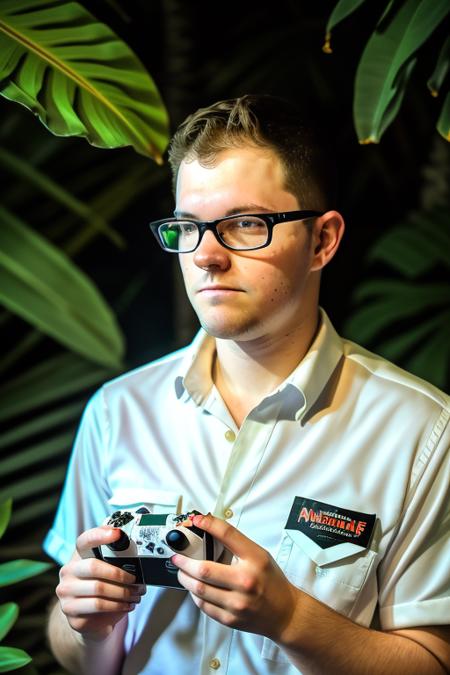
(441, 69)
(443, 123)
(27, 172)
(41, 284)
(410, 308)
(79, 77)
(342, 10)
(387, 63)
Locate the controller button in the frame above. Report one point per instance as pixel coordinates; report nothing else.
(121, 544)
(177, 540)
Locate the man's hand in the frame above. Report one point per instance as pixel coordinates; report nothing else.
(252, 594)
(93, 594)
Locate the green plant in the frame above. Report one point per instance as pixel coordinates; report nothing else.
(12, 572)
(410, 250)
(389, 59)
(78, 77)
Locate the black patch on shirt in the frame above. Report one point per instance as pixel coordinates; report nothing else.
(329, 525)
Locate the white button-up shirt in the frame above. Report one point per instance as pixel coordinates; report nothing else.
(346, 428)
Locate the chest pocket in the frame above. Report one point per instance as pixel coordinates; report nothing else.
(157, 501)
(335, 575)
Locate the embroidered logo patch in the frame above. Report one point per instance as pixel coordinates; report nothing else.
(328, 525)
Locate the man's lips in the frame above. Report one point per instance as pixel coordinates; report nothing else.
(218, 288)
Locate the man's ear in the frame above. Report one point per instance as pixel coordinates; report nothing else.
(326, 237)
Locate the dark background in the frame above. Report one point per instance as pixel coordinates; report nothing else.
(198, 52)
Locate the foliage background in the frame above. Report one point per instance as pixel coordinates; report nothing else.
(195, 58)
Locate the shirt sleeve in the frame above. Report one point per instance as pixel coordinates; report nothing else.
(84, 500)
(414, 577)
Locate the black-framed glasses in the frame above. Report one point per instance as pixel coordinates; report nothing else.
(241, 232)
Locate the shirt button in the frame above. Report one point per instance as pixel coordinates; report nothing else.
(214, 664)
(228, 513)
(230, 435)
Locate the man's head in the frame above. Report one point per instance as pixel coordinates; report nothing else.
(249, 157)
(261, 121)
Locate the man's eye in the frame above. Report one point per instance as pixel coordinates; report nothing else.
(188, 228)
(247, 223)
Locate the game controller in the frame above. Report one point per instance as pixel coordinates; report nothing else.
(148, 541)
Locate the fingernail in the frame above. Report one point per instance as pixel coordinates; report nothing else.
(131, 606)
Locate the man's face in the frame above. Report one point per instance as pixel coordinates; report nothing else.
(245, 295)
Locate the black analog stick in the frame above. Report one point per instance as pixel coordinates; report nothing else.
(177, 540)
(121, 544)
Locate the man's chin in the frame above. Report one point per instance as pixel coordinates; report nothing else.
(227, 331)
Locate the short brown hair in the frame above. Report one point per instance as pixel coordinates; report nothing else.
(263, 121)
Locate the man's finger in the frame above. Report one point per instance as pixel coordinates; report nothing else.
(83, 606)
(236, 542)
(208, 572)
(100, 588)
(96, 536)
(98, 569)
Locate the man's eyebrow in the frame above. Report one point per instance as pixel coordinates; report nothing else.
(243, 208)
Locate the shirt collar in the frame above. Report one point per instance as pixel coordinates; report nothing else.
(309, 377)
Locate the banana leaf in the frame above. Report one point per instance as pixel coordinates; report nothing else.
(26, 171)
(387, 63)
(342, 10)
(64, 375)
(40, 283)
(441, 69)
(78, 77)
(443, 123)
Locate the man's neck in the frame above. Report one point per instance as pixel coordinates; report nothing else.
(246, 372)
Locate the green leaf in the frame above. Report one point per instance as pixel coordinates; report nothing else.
(37, 508)
(33, 485)
(12, 658)
(414, 248)
(443, 123)
(67, 414)
(24, 170)
(387, 63)
(395, 347)
(432, 360)
(5, 515)
(78, 77)
(441, 69)
(50, 448)
(19, 570)
(8, 617)
(342, 10)
(41, 284)
(396, 300)
(64, 375)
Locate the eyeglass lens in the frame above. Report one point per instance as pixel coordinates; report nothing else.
(240, 233)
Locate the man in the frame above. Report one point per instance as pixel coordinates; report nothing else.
(323, 465)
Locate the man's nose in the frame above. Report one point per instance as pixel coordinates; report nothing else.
(210, 253)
